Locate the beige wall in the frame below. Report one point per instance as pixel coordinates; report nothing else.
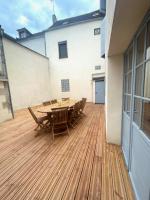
(114, 87)
(28, 74)
(83, 56)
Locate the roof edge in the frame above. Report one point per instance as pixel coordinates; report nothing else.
(5, 35)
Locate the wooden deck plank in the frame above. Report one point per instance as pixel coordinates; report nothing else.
(81, 166)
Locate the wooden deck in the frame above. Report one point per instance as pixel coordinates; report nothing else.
(81, 166)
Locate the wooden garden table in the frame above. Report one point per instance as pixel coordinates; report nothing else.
(60, 104)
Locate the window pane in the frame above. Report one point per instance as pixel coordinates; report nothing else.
(130, 58)
(63, 50)
(140, 47)
(126, 63)
(127, 104)
(126, 83)
(96, 31)
(146, 118)
(129, 82)
(147, 80)
(137, 111)
(138, 81)
(148, 42)
(65, 87)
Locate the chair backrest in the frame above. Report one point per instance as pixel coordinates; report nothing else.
(84, 99)
(77, 107)
(46, 103)
(80, 105)
(32, 114)
(83, 103)
(54, 101)
(60, 116)
(65, 99)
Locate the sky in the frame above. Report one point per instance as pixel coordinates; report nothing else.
(36, 15)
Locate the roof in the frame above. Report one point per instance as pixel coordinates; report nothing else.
(78, 19)
(24, 29)
(95, 15)
(32, 35)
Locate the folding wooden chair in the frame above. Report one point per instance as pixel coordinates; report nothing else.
(42, 122)
(74, 115)
(60, 121)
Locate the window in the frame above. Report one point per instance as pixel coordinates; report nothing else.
(98, 67)
(148, 42)
(22, 35)
(128, 80)
(138, 69)
(147, 80)
(138, 80)
(137, 111)
(145, 126)
(65, 87)
(140, 47)
(96, 31)
(62, 46)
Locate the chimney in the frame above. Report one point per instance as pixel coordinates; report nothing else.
(54, 18)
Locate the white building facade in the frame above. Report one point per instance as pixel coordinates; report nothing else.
(81, 71)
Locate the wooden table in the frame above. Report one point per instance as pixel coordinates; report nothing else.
(60, 104)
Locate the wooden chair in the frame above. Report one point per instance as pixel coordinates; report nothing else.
(74, 115)
(60, 121)
(46, 103)
(42, 122)
(54, 101)
(65, 99)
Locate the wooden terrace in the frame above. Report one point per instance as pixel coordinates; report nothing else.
(79, 166)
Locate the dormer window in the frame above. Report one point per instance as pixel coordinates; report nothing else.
(22, 35)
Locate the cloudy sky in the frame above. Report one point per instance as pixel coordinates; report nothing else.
(35, 15)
